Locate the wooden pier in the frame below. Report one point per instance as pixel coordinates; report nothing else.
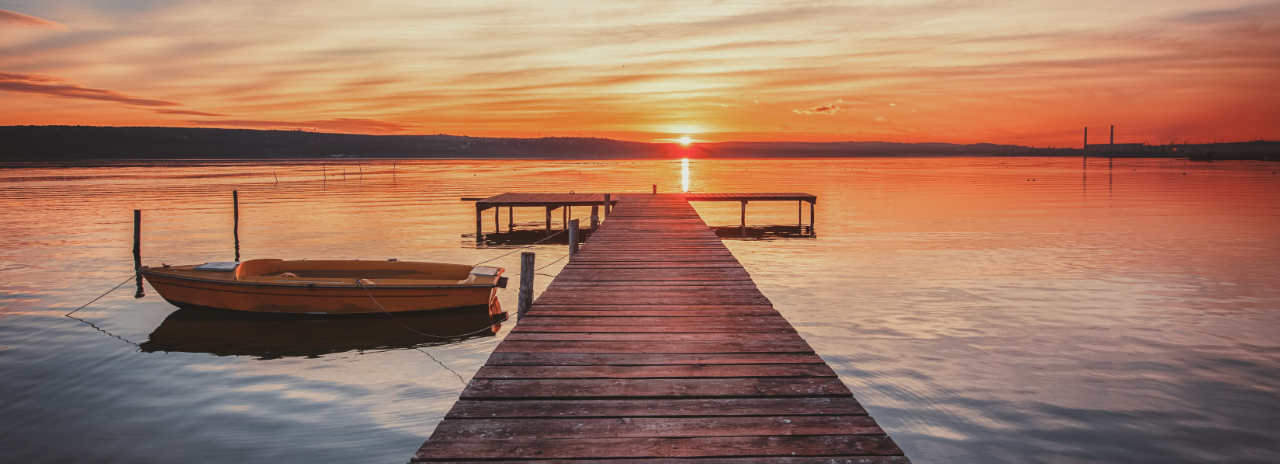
(654, 344)
(566, 201)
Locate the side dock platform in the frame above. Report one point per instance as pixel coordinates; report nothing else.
(654, 344)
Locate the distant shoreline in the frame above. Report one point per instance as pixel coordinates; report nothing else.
(91, 143)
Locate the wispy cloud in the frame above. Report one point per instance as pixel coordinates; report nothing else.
(21, 20)
(57, 87)
(187, 112)
(350, 125)
(829, 110)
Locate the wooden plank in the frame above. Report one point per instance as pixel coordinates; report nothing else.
(645, 359)
(649, 372)
(732, 460)
(687, 335)
(610, 448)
(666, 328)
(666, 407)
(655, 388)
(641, 427)
(746, 321)
(684, 347)
(592, 310)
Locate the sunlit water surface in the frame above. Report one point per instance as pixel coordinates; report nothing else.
(983, 309)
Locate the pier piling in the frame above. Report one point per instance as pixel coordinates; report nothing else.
(526, 283)
(573, 238)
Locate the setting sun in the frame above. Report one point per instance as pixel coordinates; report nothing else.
(685, 140)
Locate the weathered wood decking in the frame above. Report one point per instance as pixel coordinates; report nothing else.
(653, 343)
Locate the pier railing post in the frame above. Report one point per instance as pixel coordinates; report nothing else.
(743, 225)
(607, 204)
(595, 217)
(526, 283)
(549, 219)
(573, 238)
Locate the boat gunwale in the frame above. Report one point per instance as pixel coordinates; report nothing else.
(149, 273)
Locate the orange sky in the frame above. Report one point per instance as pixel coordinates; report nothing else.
(1030, 72)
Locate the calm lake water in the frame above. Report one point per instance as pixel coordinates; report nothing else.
(983, 309)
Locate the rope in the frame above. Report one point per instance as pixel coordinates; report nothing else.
(375, 301)
(135, 274)
(553, 262)
(523, 247)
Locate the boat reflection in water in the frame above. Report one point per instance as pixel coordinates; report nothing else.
(271, 336)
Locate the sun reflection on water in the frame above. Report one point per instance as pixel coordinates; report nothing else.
(684, 175)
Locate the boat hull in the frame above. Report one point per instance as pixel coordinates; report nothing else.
(327, 300)
(246, 288)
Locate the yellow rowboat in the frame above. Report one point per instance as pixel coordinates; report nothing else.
(326, 287)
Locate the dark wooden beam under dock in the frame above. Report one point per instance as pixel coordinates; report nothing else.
(654, 343)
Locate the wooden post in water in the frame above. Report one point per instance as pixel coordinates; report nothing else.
(606, 205)
(235, 211)
(511, 219)
(137, 250)
(595, 217)
(497, 227)
(479, 224)
(137, 238)
(549, 219)
(814, 202)
(743, 226)
(526, 283)
(800, 215)
(573, 238)
(564, 217)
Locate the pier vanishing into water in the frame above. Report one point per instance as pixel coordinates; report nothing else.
(653, 343)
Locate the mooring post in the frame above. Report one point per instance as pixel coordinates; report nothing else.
(511, 219)
(607, 204)
(549, 219)
(497, 226)
(564, 217)
(573, 238)
(595, 217)
(137, 238)
(742, 227)
(235, 211)
(800, 215)
(479, 224)
(526, 283)
(137, 251)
